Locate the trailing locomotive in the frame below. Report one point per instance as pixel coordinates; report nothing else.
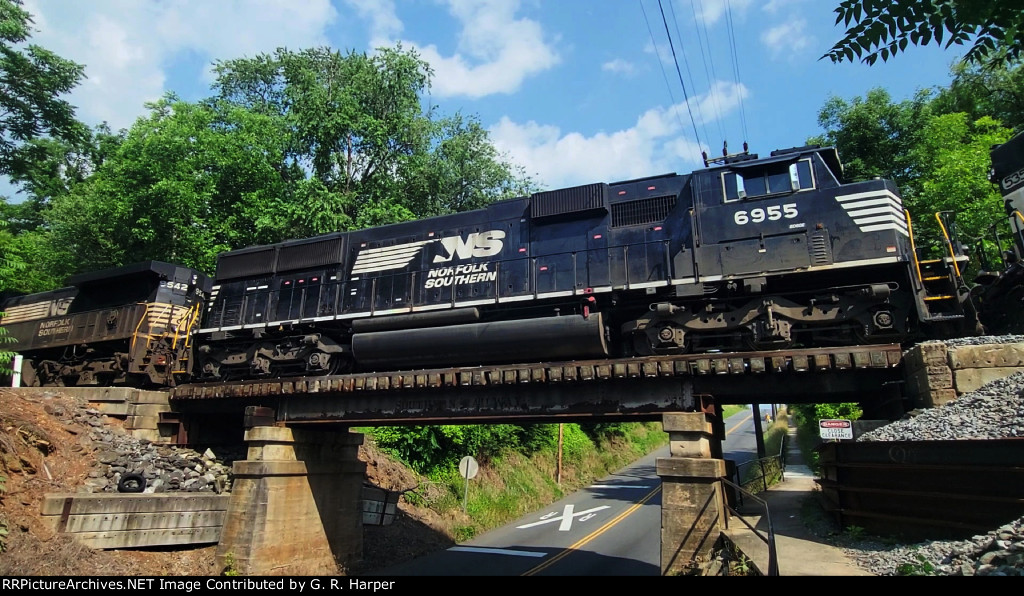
(749, 254)
(132, 325)
(999, 294)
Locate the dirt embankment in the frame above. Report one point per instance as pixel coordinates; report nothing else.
(45, 449)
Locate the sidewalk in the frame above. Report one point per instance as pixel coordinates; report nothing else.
(800, 550)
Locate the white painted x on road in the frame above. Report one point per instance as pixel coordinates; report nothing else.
(565, 518)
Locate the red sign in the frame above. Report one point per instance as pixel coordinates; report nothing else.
(836, 424)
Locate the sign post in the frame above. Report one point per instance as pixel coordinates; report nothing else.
(467, 469)
(16, 367)
(835, 429)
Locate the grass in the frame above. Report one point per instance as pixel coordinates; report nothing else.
(512, 484)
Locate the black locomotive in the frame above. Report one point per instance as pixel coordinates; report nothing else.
(131, 325)
(748, 254)
(999, 294)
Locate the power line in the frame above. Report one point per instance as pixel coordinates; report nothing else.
(689, 73)
(736, 67)
(661, 65)
(686, 97)
(708, 76)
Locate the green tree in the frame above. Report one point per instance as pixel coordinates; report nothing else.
(32, 80)
(882, 29)
(874, 135)
(979, 92)
(356, 123)
(953, 159)
(939, 161)
(10, 265)
(188, 181)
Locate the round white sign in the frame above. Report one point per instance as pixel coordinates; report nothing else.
(468, 467)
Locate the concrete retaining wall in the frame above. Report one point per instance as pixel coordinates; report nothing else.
(936, 373)
(106, 520)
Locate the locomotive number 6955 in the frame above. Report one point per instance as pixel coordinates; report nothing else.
(771, 213)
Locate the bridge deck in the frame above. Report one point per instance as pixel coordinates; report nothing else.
(625, 387)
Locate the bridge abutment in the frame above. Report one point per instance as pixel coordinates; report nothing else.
(692, 503)
(295, 504)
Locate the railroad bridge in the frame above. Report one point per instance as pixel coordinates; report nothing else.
(292, 473)
(612, 390)
(295, 504)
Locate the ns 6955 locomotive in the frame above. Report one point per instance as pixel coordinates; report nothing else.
(748, 254)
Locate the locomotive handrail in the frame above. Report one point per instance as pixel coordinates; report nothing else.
(949, 245)
(135, 334)
(913, 249)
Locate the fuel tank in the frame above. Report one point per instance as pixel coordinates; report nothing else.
(528, 340)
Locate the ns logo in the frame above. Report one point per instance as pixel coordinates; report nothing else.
(476, 245)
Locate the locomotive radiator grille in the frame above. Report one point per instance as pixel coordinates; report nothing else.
(643, 211)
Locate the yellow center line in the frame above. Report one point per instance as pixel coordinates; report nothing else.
(582, 541)
(589, 537)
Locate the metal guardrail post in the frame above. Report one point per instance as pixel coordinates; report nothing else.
(769, 538)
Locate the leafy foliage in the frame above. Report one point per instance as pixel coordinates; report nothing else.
(426, 448)
(188, 181)
(980, 92)
(874, 135)
(355, 122)
(32, 79)
(10, 265)
(882, 29)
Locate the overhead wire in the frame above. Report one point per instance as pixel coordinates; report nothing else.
(661, 64)
(709, 76)
(736, 68)
(689, 73)
(686, 97)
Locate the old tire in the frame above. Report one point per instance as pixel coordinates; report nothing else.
(131, 483)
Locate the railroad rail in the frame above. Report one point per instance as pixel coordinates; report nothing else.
(694, 365)
(642, 387)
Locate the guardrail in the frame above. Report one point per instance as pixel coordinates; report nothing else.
(767, 468)
(767, 537)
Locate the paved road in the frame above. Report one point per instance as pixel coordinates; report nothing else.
(611, 528)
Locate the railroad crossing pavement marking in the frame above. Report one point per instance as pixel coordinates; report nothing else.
(586, 539)
(497, 551)
(565, 518)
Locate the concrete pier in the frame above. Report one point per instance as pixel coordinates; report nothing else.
(295, 504)
(692, 503)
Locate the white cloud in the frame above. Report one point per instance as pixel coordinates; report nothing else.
(384, 22)
(659, 142)
(787, 39)
(774, 6)
(127, 45)
(619, 66)
(496, 51)
(710, 11)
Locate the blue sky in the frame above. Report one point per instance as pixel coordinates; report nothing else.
(574, 91)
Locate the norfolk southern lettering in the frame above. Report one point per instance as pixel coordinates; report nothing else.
(459, 275)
